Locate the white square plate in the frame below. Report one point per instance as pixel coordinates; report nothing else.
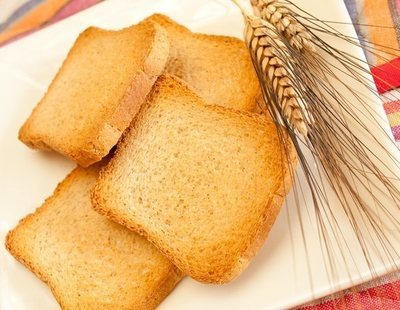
(279, 277)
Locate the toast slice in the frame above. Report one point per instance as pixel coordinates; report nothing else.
(97, 91)
(218, 67)
(88, 261)
(203, 183)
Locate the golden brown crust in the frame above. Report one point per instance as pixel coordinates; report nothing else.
(175, 272)
(233, 52)
(165, 287)
(15, 245)
(227, 270)
(14, 251)
(272, 211)
(12, 243)
(113, 126)
(25, 132)
(164, 20)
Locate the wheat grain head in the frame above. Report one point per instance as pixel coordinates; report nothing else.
(278, 14)
(267, 50)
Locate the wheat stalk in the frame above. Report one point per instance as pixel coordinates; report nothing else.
(268, 50)
(283, 19)
(359, 176)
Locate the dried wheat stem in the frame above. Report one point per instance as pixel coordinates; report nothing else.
(278, 14)
(267, 49)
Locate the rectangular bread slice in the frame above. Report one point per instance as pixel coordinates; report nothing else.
(203, 183)
(218, 67)
(88, 261)
(97, 91)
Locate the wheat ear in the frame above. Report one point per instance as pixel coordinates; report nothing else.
(278, 14)
(269, 52)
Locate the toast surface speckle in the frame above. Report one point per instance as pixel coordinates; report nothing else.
(218, 67)
(97, 91)
(203, 183)
(88, 261)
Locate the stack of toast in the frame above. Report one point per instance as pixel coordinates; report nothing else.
(177, 174)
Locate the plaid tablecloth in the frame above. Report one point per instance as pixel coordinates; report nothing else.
(20, 17)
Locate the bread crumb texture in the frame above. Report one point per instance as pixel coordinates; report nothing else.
(97, 91)
(203, 183)
(88, 261)
(218, 67)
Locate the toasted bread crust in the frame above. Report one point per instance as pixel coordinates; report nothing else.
(268, 219)
(238, 86)
(166, 286)
(98, 143)
(229, 273)
(226, 270)
(15, 244)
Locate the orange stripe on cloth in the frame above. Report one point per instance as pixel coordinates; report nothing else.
(378, 13)
(392, 106)
(33, 19)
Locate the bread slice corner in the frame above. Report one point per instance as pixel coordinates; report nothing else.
(97, 91)
(218, 67)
